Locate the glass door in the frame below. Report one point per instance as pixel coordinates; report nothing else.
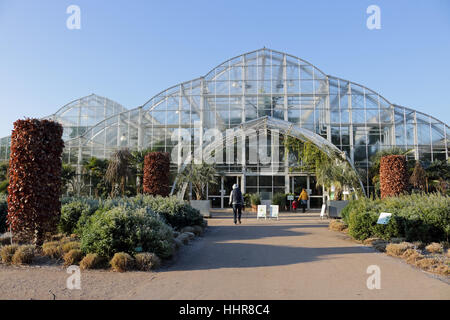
(219, 193)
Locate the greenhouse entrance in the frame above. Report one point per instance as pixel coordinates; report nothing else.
(266, 186)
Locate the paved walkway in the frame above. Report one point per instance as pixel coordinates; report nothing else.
(296, 257)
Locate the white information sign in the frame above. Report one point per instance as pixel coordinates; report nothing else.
(290, 197)
(274, 211)
(384, 218)
(262, 210)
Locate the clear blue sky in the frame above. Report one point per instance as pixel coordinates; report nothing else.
(130, 50)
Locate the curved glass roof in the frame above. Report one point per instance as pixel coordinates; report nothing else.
(76, 117)
(261, 83)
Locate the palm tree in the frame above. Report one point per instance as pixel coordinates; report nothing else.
(336, 173)
(119, 170)
(199, 175)
(95, 170)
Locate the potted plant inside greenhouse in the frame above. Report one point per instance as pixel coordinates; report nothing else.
(336, 177)
(255, 201)
(198, 176)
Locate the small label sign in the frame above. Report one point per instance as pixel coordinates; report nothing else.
(384, 218)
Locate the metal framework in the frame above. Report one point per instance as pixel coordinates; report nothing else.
(261, 83)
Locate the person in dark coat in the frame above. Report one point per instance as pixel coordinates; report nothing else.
(237, 200)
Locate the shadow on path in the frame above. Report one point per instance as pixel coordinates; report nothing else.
(221, 248)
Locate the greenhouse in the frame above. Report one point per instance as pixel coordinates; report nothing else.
(257, 98)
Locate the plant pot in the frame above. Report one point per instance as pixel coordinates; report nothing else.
(203, 206)
(335, 207)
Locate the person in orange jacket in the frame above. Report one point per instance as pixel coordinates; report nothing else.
(303, 199)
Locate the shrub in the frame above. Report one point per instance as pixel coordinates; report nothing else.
(280, 200)
(7, 252)
(75, 213)
(393, 175)
(66, 247)
(92, 261)
(3, 213)
(70, 214)
(52, 249)
(35, 178)
(427, 263)
(412, 256)
(416, 217)
(397, 249)
(123, 230)
(74, 256)
(176, 212)
(122, 262)
(435, 248)
(147, 261)
(361, 224)
(336, 225)
(156, 173)
(23, 255)
(255, 199)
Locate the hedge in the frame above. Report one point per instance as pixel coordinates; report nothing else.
(393, 175)
(35, 178)
(416, 217)
(156, 173)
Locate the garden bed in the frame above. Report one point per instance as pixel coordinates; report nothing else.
(417, 231)
(123, 234)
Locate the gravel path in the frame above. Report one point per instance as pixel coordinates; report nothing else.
(293, 258)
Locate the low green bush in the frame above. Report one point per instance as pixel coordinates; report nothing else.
(177, 213)
(255, 199)
(70, 214)
(416, 217)
(280, 200)
(74, 214)
(123, 229)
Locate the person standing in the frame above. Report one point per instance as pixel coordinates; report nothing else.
(303, 198)
(237, 200)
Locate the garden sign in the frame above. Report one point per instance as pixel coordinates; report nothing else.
(384, 218)
(261, 211)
